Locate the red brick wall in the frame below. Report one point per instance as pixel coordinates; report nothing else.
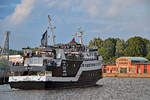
(109, 68)
(124, 62)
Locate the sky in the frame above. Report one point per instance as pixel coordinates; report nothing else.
(28, 20)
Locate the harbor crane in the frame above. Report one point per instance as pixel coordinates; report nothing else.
(5, 45)
(52, 36)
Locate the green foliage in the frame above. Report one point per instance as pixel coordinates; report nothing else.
(135, 46)
(112, 48)
(34, 50)
(91, 44)
(120, 46)
(107, 51)
(103, 52)
(95, 43)
(15, 52)
(148, 55)
(147, 46)
(21, 52)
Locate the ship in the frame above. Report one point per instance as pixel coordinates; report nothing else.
(57, 66)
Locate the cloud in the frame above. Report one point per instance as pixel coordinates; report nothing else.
(92, 7)
(60, 4)
(124, 7)
(21, 12)
(51, 3)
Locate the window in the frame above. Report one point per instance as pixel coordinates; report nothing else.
(123, 62)
(123, 70)
(132, 70)
(82, 65)
(145, 68)
(105, 69)
(138, 69)
(48, 73)
(123, 59)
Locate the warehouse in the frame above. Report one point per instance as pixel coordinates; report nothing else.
(128, 65)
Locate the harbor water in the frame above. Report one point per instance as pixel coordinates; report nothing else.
(107, 89)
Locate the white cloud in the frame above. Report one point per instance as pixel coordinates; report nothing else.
(21, 12)
(92, 7)
(121, 7)
(61, 4)
(51, 3)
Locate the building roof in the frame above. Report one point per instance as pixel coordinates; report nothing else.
(137, 58)
(14, 56)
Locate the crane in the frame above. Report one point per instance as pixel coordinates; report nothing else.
(52, 36)
(5, 46)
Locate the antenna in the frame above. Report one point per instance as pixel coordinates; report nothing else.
(52, 36)
(80, 34)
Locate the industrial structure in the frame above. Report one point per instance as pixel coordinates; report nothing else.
(5, 45)
(4, 57)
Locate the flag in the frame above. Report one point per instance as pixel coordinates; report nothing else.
(44, 39)
(73, 39)
(76, 33)
(49, 19)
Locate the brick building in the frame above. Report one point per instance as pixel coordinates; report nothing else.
(130, 65)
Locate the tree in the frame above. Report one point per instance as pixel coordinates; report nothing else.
(95, 43)
(104, 53)
(112, 48)
(15, 52)
(98, 42)
(108, 49)
(147, 46)
(91, 44)
(148, 55)
(120, 46)
(135, 46)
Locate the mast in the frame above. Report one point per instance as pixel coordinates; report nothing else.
(52, 36)
(80, 34)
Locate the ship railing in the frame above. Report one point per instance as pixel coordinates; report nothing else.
(17, 64)
(89, 59)
(31, 73)
(74, 58)
(81, 58)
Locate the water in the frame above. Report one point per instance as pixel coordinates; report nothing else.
(108, 89)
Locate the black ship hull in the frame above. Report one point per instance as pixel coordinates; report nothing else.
(85, 80)
(50, 85)
(3, 80)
